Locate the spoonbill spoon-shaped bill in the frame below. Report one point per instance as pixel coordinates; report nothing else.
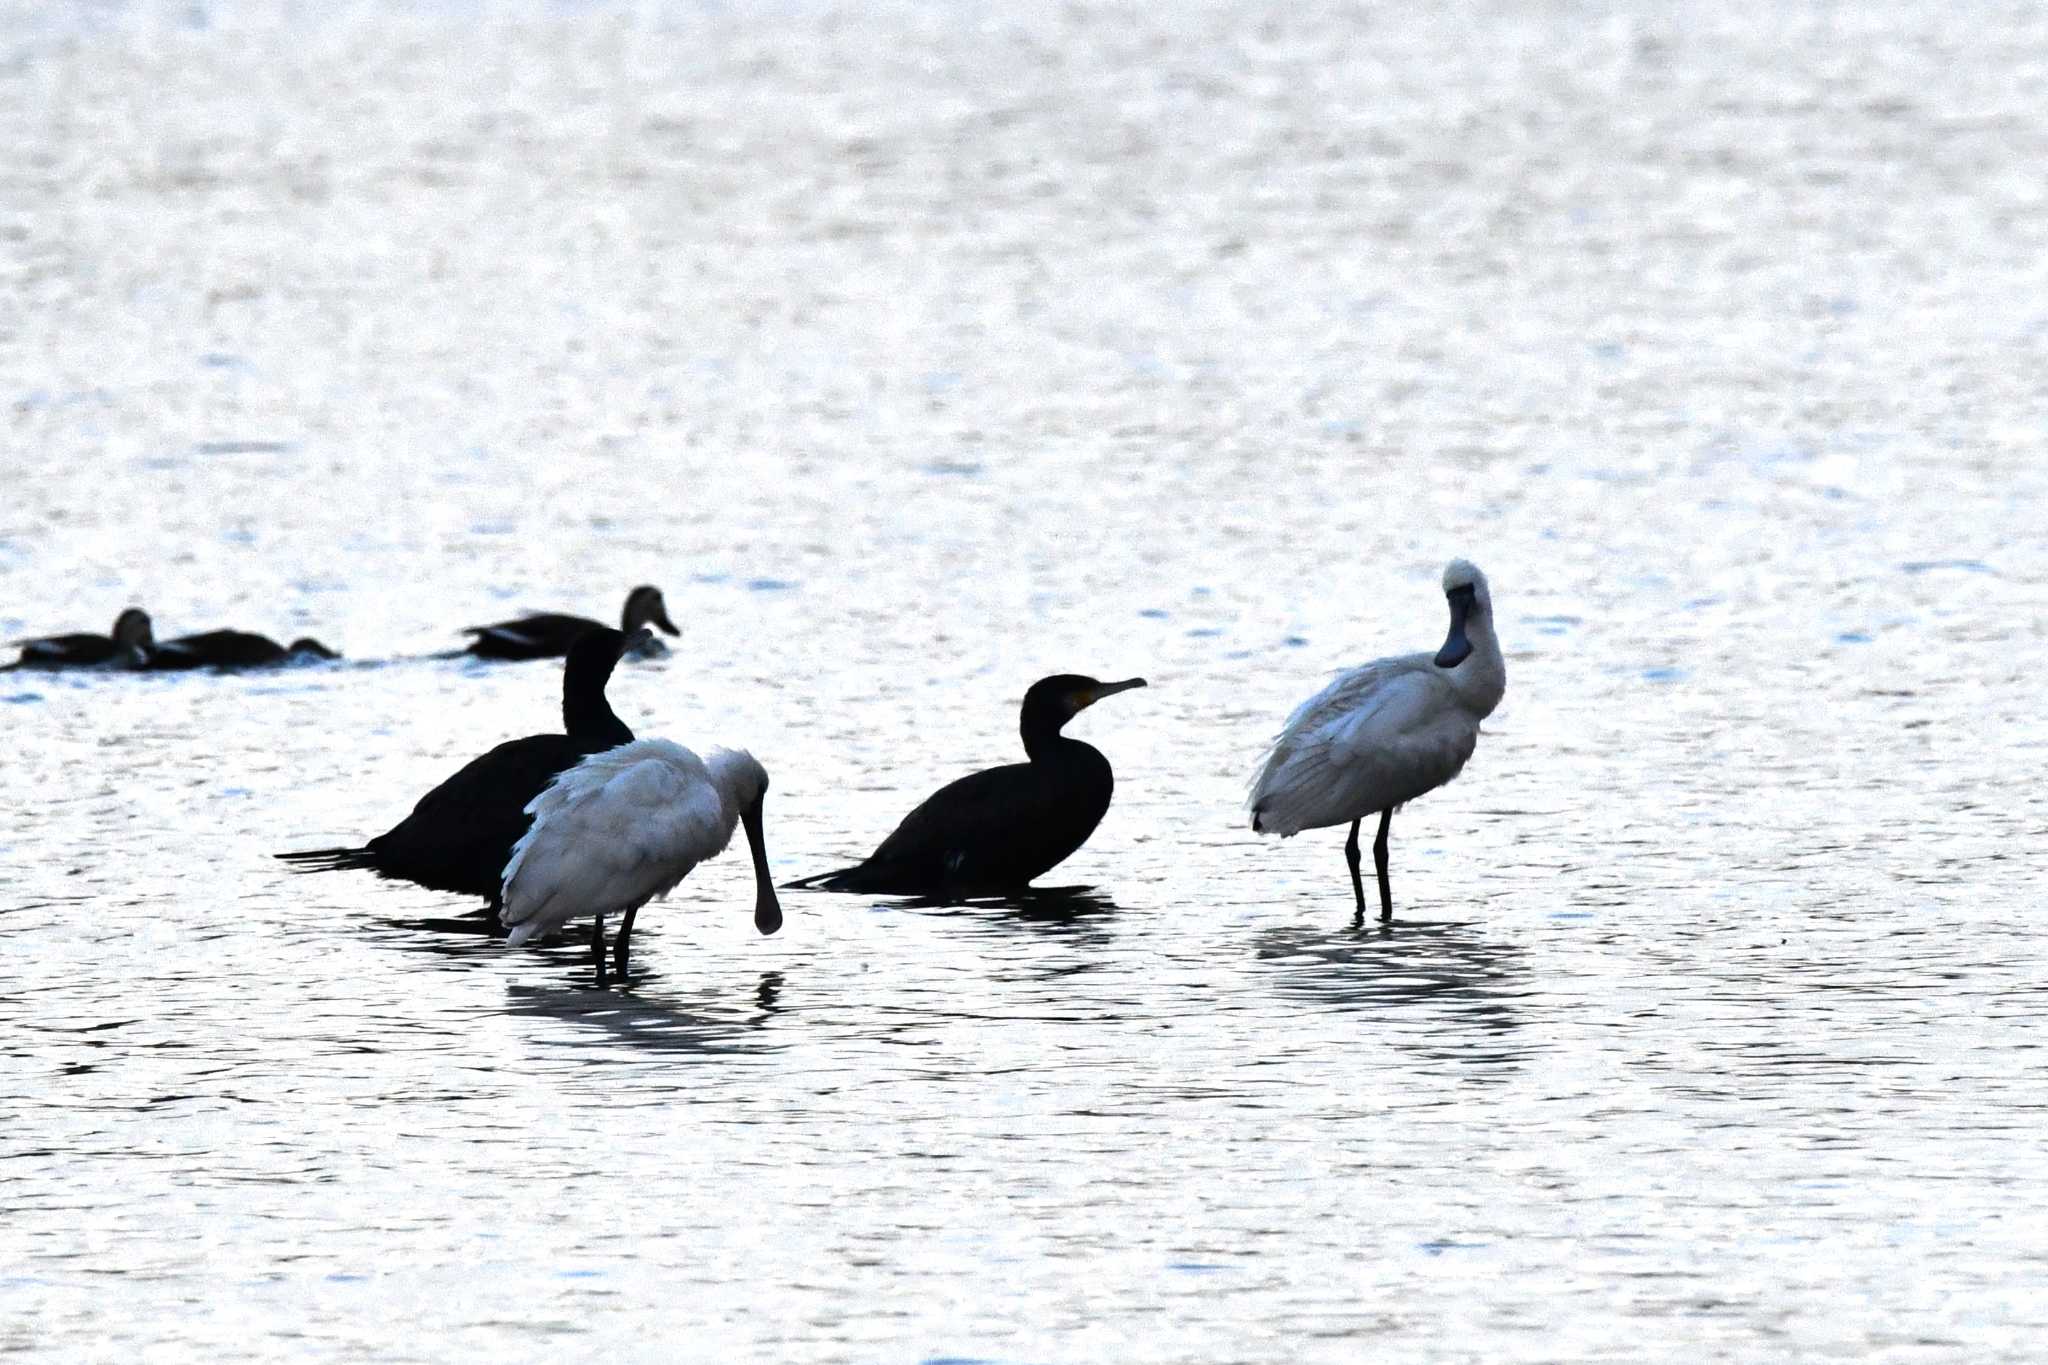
(1385, 733)
(459, 835)
(993, 831)
(548, 635)
(623, 827)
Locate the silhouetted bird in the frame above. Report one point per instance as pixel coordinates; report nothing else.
(460, 835)
(995, 830)
(126, 646)
(548, 635)
(232, 649)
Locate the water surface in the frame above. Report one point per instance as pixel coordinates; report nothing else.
(917, 351)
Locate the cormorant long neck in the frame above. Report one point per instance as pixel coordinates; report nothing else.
(1041, 729)
(585, 712)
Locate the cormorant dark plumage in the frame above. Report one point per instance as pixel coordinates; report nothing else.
(460, 835)
(232, 649)
(549, 634)
(995, 830)
(126, 646)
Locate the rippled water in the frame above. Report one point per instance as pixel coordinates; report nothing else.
(920, 350)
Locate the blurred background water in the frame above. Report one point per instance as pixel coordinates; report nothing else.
(916, 350)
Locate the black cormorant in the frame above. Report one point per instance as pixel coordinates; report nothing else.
(460, 835)
(993, 831)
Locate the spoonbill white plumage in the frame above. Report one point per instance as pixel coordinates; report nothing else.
(1385, 733)
(621, 828)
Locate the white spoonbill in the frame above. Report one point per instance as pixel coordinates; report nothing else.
(623, 827)
(1385, 733)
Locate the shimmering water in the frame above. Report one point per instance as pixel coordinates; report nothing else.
(918, 350)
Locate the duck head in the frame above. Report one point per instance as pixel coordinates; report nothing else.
(645, 607)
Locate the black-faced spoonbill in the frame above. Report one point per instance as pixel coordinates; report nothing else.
(1385, 733)
(460, 834)
(995, 830)
(623, 827)
(126, 646)
(548, 635)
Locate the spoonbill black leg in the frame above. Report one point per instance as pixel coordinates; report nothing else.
(625, 936)
(1379, 862)
(1357, 886)
(597, 946)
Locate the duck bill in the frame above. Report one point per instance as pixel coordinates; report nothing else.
(1456, 646)
(767, 910)
(660, 618)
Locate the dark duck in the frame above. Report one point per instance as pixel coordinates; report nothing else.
(548, 635)
(126, 646)
(460, 835)
(232, 649)
(995, 830)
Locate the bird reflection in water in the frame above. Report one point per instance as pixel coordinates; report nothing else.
(467, 940)
(709, 1022)
(765, 996)
(1057, 907)
(1451, 970)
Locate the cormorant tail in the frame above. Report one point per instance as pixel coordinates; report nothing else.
(855, 878)
(330, 859)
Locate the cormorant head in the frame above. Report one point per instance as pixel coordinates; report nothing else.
(1054, 701)
(644, 607)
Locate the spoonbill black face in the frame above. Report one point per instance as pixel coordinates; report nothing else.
(1456, 647)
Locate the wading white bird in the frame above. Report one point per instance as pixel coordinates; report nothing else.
(623, 827)
(1385, 733)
